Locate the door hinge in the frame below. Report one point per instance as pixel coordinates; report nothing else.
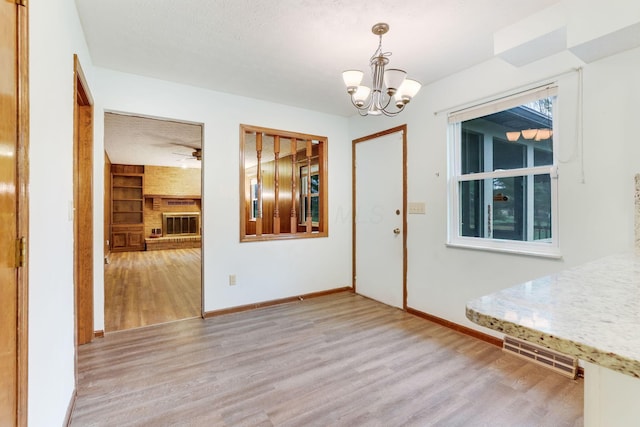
(21, 3)
(21, 251)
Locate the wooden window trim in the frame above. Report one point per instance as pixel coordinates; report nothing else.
(244, 199)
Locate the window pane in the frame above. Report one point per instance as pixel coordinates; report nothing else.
(511, 132)
(542, 207)
(253, 187)
(508, 155)
(509, 202)
(315, 184)
(507, 208)
(471, 208)
(315, 189)
(472, 152)
(543, 156)
(315, 211)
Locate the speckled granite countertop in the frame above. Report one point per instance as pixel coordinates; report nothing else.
(591, 311)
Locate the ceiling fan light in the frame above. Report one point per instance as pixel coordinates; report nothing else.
(393, 79)
(352, 79)
(513, 136)
(529, 133)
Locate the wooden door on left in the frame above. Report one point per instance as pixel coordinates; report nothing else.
(13, 213)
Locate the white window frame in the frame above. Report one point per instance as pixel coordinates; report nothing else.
(545, 248)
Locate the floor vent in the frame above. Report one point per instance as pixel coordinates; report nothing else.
(561, 363)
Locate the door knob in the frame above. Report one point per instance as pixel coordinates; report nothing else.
(396, 231)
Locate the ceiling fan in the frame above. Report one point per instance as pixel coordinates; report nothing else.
(195, 154)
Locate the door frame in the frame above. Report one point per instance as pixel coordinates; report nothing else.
(23, 208)
(83, 205)
(403, 130)
(107, 206)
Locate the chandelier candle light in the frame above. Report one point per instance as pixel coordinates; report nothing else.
(387, 84)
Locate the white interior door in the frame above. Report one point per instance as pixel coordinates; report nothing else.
(379, 219)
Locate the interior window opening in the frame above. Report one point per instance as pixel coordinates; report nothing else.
(283, 181)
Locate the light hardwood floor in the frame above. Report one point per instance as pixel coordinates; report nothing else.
(145, 288)
(338, 360)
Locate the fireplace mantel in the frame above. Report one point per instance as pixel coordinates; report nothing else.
(158, 198)
(172, 196)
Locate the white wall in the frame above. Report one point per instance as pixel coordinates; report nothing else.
(596, 216)
(264, 270)
(55, 35)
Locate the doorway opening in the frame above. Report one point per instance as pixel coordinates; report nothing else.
(153, 186)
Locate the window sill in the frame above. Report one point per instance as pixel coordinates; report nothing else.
(505, 247)
(282, 236)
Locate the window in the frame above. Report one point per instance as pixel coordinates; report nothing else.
(503, 181)
(253, 189)
(309, 193)
(283, 182)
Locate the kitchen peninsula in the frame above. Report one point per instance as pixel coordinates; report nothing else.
(591, 312)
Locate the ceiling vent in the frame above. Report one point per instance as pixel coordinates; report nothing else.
(558, 362)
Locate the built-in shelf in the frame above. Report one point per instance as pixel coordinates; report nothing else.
(127, 208)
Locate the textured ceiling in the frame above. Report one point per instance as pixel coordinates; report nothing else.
(292, 51)
(135, 140)
(285, 51)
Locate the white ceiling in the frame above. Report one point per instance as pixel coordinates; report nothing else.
(292, 51)
(289, 51)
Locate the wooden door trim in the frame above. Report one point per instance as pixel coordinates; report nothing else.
(202, 229)
(403, 130)
(83, 205)
(22, 172)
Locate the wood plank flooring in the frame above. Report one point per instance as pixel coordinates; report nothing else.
(337, 360)
(145, 288)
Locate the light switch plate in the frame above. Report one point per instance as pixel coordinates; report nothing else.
(417, 208)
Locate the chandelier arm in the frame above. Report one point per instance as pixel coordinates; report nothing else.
(389, 98)
(391, 113)
(384, 110)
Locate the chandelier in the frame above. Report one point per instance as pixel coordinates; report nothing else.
(388, 85)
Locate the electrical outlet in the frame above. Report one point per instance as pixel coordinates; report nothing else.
(232, 280)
